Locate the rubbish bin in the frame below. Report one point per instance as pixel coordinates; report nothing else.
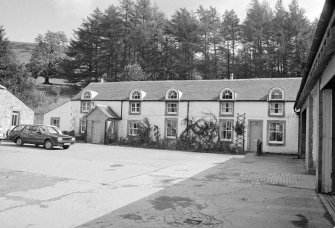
(259, 148)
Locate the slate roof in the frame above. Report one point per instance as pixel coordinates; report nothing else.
(195, 90)
(108, 111)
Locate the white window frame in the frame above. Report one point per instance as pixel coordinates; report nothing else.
(277, 132)
(276, 92)
(171, 128)
(57, 119)
(15, 118)
(276, 106)
(87, 95)
(135, 107)
(83, 126)
(133, 128)
(226, 126)
(135, 95)
(85, 107)
(225, 91)
(224, 107)
(169, 108)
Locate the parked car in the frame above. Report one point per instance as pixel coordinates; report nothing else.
(46, 135)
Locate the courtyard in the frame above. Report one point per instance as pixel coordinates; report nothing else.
(105, 186)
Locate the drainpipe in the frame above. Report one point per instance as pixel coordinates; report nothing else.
(121, 109)
(188, 113)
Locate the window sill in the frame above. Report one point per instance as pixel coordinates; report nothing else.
(276, 143)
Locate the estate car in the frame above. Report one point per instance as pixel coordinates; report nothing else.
(46, 135)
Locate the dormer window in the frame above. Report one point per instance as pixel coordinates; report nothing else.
(227, 94)
(136, 95)
(173, 95)
(87, 95)
(227, 104)
(276, 94)
(276, 102)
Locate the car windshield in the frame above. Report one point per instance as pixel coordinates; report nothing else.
(51, 130)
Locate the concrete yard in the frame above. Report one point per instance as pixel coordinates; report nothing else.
(105, 186)
(66, 188)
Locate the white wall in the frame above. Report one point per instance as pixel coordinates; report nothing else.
(155, 112)
(64, 112)
(10, 103)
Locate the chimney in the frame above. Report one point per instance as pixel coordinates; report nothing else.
(232, 76)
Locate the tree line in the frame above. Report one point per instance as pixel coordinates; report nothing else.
(135, 41)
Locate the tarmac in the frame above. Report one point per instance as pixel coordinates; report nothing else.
(254, 192)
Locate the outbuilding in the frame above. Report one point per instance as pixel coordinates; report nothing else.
(13, 111)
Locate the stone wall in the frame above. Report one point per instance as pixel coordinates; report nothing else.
(9, 104)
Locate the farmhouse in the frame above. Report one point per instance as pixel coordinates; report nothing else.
(316, 103)
(13, 111)
(112, 110)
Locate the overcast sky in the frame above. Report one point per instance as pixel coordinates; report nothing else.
(23, 20)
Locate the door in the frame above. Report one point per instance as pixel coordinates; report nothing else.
(255, 133)
(36, 136)
(111, 131)
(97, 131)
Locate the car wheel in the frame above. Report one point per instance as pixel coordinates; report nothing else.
(19, 141)
(66, 147)
(48, 144)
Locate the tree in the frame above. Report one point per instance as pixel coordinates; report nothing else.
(47, 55)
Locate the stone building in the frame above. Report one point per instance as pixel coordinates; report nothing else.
(13, 111)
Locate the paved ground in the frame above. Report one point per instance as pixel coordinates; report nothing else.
(269, 191)
(101, 186)
(66, 188)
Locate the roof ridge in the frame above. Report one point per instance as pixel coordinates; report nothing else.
(205, 80)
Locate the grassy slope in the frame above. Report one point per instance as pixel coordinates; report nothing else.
(22, 50)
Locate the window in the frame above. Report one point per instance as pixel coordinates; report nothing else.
(87, 95)
(276, 94)
(55, 121)
(133, 128)
(171, 108)
(15, 118)
(172, 95)
(136, 95)
(227, 94)
(227, 108)
(171, 128)
(276, 132)
(86, 106)
(276, 109)
(226, 130)
(82, 126)
(135, 108)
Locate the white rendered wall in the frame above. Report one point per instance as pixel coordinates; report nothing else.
(64, 113)
(155, 112)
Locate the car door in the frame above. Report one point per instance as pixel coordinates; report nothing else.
(36, 135)
(25, 134)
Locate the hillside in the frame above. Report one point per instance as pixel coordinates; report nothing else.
(22, 50)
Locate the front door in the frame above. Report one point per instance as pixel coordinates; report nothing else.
(255, 133)
(97, 131)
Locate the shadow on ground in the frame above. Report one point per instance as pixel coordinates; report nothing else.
(268, 191)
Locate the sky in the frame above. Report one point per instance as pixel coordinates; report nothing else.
(23, 20)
